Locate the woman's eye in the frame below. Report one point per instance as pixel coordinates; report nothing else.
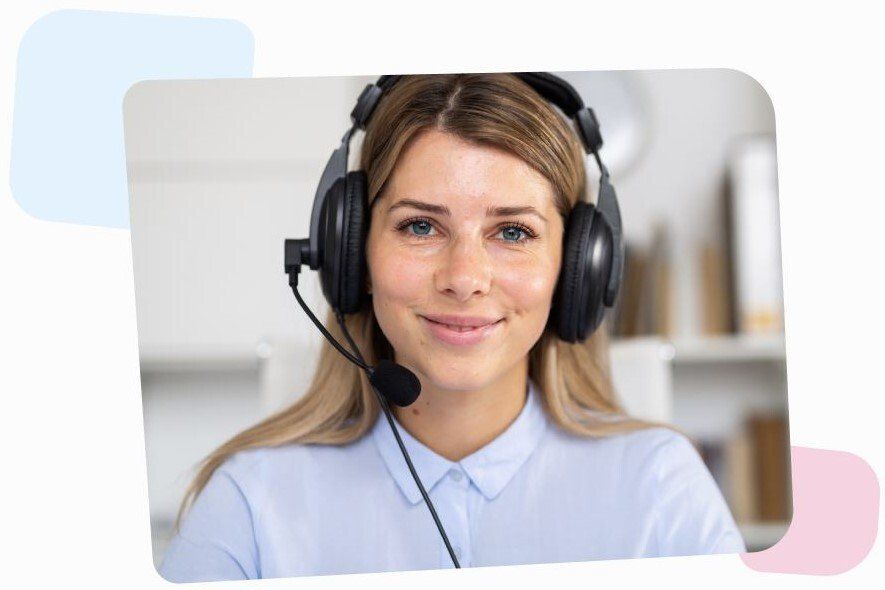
(422, 228)
(517, 233)
(513, 233)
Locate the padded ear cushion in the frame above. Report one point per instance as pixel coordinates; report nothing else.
(332, 215)
(569, 277)
(586, 265)
(352, 263)
(598, 257)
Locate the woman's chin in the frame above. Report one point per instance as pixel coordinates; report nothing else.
(463, 377)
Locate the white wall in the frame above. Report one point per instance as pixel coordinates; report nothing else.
(220, 173)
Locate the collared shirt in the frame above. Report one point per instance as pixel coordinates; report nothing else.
(535, 494)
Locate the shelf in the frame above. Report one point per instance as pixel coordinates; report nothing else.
(762, 535)
(687, 351)
(199, 359)
(729, 348)
(712, 349)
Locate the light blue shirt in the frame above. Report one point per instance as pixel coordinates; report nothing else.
(535, 494)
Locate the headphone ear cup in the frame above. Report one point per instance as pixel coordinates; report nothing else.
(586, 266)
(353, 264)
(331, 214)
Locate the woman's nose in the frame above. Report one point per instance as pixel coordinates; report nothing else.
(465, 270)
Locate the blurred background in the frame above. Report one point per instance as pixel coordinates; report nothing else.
(221, 171)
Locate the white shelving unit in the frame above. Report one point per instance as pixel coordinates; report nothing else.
(730, 377)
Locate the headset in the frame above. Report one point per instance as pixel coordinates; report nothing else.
(588, 282)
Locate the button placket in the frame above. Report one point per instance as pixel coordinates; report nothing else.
(455, 491)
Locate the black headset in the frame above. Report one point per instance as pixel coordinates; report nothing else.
(593, 257)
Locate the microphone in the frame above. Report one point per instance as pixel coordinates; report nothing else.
(396, 383)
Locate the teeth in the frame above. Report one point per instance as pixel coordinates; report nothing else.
(460, 328)
(457, 328)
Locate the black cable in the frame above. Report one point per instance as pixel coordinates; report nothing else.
(402, 448)
(293, 282)
(360, 362)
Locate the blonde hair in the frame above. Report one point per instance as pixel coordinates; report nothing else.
(497, 110)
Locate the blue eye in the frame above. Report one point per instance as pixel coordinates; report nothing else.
(515, 233)
(421, 226)
(425, 227)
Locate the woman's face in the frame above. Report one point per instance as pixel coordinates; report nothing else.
(438, 245)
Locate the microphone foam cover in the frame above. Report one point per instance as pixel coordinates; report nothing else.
(396, 383)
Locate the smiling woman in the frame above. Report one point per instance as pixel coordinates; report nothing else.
(517, 434)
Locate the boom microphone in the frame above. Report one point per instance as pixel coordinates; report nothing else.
(396, 383)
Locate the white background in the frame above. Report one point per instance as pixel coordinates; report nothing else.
(74, 493)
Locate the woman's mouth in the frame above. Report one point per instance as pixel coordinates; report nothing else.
(460, 335)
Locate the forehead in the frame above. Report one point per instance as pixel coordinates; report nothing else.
(446, 169)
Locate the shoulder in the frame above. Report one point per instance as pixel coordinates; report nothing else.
(666, 455)
(250, 481)
(247, 498)
(262, 466)
(662, 460)
(652, 451)
(685, 505)
(648, 465)
(671, 464)
(661, 474)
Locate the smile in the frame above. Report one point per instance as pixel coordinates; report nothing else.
(460, 335)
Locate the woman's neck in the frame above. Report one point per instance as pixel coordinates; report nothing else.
(455, 424)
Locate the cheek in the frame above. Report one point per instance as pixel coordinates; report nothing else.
(530, 287)
(396, 277)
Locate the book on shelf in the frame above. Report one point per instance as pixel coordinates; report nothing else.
(753, 236)
(644, 305)
(740, 478)
(752, 468)
(661, 292)
(771, 455)
(716, 300)
(737, 265)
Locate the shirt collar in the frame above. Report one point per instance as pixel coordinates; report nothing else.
(490, 468)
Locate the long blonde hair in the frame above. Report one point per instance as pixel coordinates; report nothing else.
(497, 110)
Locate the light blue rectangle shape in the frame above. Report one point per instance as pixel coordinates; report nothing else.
(74, 68)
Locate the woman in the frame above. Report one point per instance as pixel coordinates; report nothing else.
(517, 436)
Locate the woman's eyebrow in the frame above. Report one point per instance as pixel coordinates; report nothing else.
(506, 211)
(429, 207)
(443, 210)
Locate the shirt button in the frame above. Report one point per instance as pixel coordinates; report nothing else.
(455, 475)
